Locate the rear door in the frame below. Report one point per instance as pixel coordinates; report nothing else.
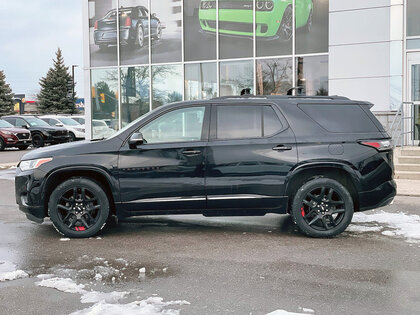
(250, 152)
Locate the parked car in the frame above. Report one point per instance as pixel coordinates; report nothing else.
(134, 27)
(41, 132)
(75, 129)
(101, 130)
(12, 137)
(316, 158)
(274, 18)
(79, 118)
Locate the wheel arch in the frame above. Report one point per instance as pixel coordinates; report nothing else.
(340, 172)
(99, 176)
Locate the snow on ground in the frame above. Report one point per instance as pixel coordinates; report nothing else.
(283, 312)
(9, 272)
(95, 297)
(150, 306)
(62, 284)
(399, 225)
(8, 174)
(64, 239)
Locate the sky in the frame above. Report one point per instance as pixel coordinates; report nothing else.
(30, 33)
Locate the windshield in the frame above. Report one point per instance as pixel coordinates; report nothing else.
(5, 124)
(36, 122)
(69, 122)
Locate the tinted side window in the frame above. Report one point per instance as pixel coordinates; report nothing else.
(20, 122)
(272, 122)
(340, 118)
(239, 122)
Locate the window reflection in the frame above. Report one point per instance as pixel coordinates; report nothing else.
(413, 21)
(236, 76)
(134, 93)
(104, 102)
(200, 81)
(167, 84)
(312, 74)
(274, 76)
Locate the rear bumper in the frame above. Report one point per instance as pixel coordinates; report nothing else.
(110, 36)
(379, 197)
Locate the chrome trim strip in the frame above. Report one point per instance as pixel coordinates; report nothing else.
(227, 197)
(170, 199)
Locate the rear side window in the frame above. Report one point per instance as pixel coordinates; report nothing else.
(340, 118)
(244, 122)
(11, 121)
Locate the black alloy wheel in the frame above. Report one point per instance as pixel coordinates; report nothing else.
(38, 141)
(79, 207)
(322, 208)
(2, 145)
(286, 27)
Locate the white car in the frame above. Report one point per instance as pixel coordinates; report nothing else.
(76, 130)
(99, 127)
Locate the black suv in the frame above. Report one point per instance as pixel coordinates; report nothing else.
(318, 159)
(41, 132)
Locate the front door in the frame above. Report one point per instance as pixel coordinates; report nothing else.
(167, 171)
(414, 94)
(250, 152)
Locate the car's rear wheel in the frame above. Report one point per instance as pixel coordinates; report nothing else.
(285, 31)
(322, 207)
(140, 36)
(23, 147)
(38, 140)
(79, 208)
(2, 145)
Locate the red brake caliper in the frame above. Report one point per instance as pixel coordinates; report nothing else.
(80, 228)
(302, 211)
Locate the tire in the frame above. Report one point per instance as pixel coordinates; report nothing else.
(38, 140)
(78, 208)
(2, 145)
(322, 207)
(308, 27)
(72, 137)
(285, 31)
(23, 147)
(140, 36)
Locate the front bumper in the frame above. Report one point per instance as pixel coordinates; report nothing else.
(28, 191)
(381, 196)
(57, 139)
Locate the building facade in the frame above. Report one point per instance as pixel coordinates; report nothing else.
(172, 50)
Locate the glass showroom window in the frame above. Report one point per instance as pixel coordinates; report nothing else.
(236, 76)
(274, 76)
(311, 26)
(274, 28)
(134, 93)
(134, 32)
(103, 31)
(236, 29)
(312, 74)
(104, 102)
(413, 21)
(166, 31)
(166, 84)
(200, 81)
(199, 30)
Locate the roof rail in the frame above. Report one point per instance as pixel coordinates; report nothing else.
(301, 97)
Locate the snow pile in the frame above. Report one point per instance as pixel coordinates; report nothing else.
(95, 297)
(9, 272)
(62, 284)
(150, 306)
(396, 224)
(283, 312)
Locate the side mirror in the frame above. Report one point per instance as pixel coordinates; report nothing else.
(59, 125)
(26, 126)
(135, 140)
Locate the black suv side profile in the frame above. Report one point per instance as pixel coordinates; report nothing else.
(41, 132)
(319, 159)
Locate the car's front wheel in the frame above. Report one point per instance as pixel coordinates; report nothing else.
(2, 145)
(78, 208)
(38, 141)
(322, 207)
(72, 137)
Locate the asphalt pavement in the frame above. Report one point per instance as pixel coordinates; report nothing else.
(249, 265)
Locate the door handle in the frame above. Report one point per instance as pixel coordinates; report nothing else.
(282, 147)
(191, 152)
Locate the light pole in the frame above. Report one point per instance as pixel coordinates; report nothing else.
(72, 88)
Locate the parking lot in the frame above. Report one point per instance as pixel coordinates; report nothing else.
(211, 266)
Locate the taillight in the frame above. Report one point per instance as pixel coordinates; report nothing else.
(96, 25)
(380, 145)
(128, 21)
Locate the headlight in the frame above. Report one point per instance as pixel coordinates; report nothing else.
(33, 164)
(9, 133)
(265, 5)
(79, 129)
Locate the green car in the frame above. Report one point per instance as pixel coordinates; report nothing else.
(273, 17)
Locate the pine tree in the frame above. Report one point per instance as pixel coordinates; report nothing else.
(55, 95)
(6, 96)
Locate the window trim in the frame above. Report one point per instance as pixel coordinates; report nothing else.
(213, 120)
